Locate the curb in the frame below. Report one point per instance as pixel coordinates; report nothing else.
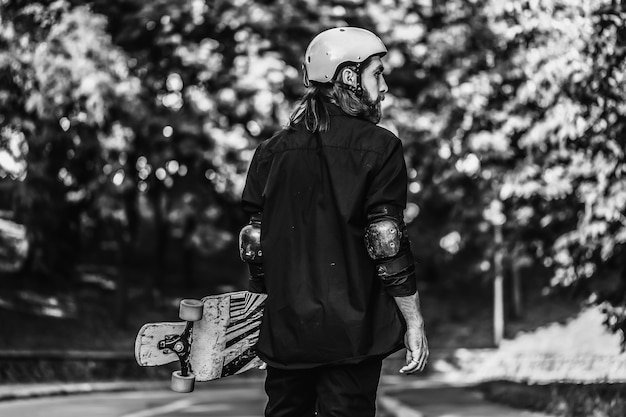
(24, 391)
(396, 408)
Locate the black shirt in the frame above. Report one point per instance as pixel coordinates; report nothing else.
(325, 302)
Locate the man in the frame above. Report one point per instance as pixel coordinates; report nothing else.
(327, 242)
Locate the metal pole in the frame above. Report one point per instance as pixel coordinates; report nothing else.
(498, 291)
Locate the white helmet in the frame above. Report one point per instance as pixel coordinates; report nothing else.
(333, 48)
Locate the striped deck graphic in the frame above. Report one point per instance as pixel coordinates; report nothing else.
(225, 339)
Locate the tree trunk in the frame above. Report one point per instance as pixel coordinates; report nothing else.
(498, 293)
(517, 291)
(121, 299)
(161, 231)
(519, 261)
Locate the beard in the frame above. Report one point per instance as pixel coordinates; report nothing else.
(359, 106)
(373, 109)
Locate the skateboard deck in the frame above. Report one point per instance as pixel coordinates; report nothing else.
(218, 344)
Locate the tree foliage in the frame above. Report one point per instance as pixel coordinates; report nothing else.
(64, 87)
(500, 103)
(525, 107)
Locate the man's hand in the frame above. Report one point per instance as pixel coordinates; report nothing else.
(416, 350)
(414, 338)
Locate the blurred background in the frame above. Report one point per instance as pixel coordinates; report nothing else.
(127, 126)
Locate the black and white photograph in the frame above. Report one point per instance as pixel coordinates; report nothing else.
(312, 208)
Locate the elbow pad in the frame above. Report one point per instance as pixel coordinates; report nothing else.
(250, 242)
(386, 235)
(250, 252)
(383, 238)
(387, 243)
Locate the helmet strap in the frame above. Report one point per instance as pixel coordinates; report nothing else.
(358, 89)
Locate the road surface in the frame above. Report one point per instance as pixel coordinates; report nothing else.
(244, 397)
(223, 400)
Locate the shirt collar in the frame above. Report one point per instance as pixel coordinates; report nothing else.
(335, 110)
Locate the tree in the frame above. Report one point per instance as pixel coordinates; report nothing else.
(524, 106)
(566, 187)
(64, 87)
(495, 100)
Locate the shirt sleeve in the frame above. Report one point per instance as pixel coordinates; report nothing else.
(252, 198)
(252, 201)
(389, 188)
(389, 185)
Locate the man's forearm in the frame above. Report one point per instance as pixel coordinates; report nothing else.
(414, 338)
(410, 308)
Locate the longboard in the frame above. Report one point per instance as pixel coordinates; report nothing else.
(217, 339)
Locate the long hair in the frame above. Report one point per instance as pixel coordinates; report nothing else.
(312, 111)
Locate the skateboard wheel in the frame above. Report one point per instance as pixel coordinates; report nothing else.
(182, 383)
(190, 309)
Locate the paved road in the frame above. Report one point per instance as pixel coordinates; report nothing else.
(400, 397)
(432, 398)
(221, 400)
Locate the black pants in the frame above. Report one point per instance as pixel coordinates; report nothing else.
(327, 391)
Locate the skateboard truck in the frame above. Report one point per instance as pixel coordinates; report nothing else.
(179, 344)
(190, 311)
